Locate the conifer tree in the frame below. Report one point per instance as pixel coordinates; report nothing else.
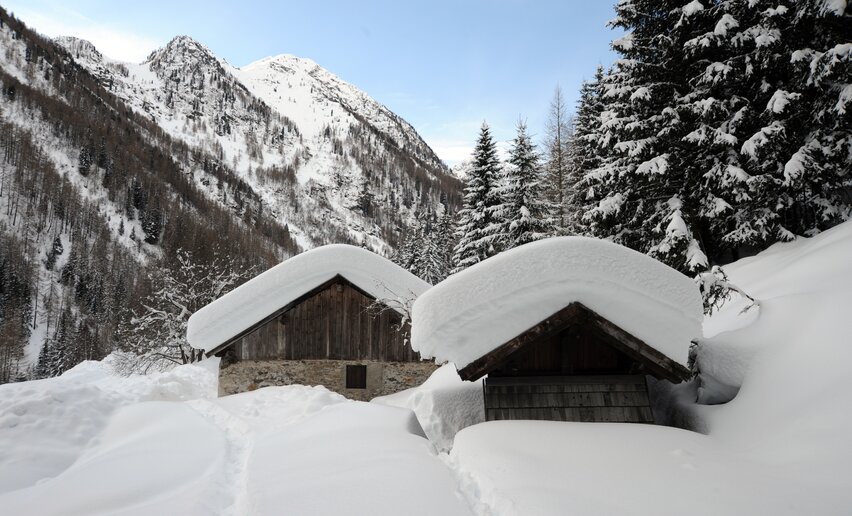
(430, 264)
(640, 197)
(526, 213)
(584, 155)
(478, 228)
(725, 123)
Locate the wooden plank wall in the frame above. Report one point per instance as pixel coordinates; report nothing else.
(335, 323)
(574, 350)
(604, 398)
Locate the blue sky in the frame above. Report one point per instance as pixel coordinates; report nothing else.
(444, 66)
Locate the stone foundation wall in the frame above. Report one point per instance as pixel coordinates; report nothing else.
(382, 377)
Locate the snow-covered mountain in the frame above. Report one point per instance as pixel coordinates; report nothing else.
(360, 170)
(113, 173)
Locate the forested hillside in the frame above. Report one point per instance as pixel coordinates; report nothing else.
(107, 197)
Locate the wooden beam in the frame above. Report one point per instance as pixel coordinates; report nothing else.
(657, 364)
(571, 314)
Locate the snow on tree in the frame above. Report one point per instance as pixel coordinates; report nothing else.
(819, 169)
(426, 249)
(716, 289)
(525, 212)
(638, 194)
(478, 228)
(55, 250)
(724, 125)
(759, 125)
(156, 336)
(58, 354)
(583, 156)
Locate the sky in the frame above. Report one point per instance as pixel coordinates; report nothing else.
(445, 66)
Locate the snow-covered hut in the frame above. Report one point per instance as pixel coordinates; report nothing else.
(334, 316)
(566, 328)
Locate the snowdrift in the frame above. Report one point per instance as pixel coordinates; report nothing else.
(471, 313)
(780, 447)
(259, 297)
(444, 404)
(90, 442)
(45, 425)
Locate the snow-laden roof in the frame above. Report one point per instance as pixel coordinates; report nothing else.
(471, 313)
(262, 296)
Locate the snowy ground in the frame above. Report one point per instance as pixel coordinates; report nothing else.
(93, 443)
(89, 443)
(782, 446)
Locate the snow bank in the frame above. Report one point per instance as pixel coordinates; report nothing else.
(46, 424)
(91, 443)
(152, 458)
(444, 404)
(259, 297)
(790, 360)
(781, 446)
(352, 457)
(554, 468)
(473, 312)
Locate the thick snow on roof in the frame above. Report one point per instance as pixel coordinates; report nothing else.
(260, 297)
(475, 311)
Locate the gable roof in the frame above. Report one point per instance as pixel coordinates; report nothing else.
(472, 313)
(655, 363)
(261, 298)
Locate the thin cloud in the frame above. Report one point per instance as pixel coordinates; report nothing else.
(115, 43)
(452, 152)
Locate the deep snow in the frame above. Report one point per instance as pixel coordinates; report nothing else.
(89, 442)
(781, 446)
(443, 404)
(470, 313)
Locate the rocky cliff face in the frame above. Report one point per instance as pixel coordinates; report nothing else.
(326, 159)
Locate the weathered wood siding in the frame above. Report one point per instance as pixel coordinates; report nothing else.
(574, 350)
(604, 398)
(334, 323)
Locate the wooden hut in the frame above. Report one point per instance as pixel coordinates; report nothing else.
(566, 329)
(573, 366)
(333, 316)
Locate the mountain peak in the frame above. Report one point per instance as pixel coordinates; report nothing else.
(80, 48)
(179, 49)
(184, 41)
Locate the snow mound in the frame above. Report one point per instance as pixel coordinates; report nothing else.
(46, 424)
(475, 311)
(273, 408)
(260, 297)
(555, 468)
(352, 455)
(444, 404)
(790, 361)
(151, 458)
(77, 445)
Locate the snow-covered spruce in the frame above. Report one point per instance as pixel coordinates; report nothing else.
(482, 307)
(479, 226)
(524, 213)
(734, 127)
